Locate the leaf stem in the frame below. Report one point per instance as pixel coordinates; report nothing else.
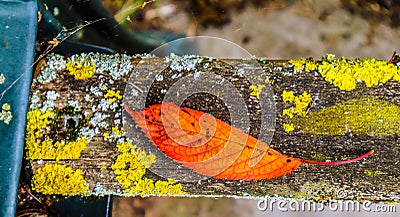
(341, 162)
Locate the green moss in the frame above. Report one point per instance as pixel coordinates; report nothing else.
(360, 116)
(59, 179)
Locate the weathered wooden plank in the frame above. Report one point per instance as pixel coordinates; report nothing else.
(77, 121)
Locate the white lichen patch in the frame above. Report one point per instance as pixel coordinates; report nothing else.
(96, 91)
(114, 106)
(89, 133)
(88, 98)
(196, 74)
(49, 103)
(159, 77)
(100, 191)
(5, 113)
(47, 75)
(35, 101)
(125, 66)
(183, 63)
(134, 92)
(176, 75)
(54, 63)
(103, 125)
(240, 72)
(98, 120)
(103, 105)
(75, 104)
(117, 65)
(117, 122)
(2, 78)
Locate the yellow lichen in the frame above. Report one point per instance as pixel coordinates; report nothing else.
(148, 187)
(308, 64)
(368, 116)
(131, 164)
(288, 112)
(142, 187)
(106, 135)
(288, 96)
(112, 95)
(298, 64)
(49, 149)
(268, 80)
(374, 173)
(319, 157)
(168, 187)
(41, 146)
(288, 127)
(145, 159)
(81, 69)
(346, 73)
(301, 104)
(36, 126)
(130, 168)
(256, 90)
(118, 131)
(59, 179)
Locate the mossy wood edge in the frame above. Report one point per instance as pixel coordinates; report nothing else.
(76, 141)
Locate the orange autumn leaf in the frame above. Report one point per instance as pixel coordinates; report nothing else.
(212, 147)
